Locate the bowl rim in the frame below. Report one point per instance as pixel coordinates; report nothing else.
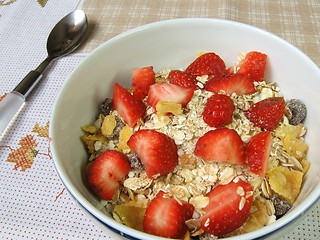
(123, 230)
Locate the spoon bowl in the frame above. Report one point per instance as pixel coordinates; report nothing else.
(67, 34)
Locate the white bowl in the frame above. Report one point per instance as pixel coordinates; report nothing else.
(174, 44)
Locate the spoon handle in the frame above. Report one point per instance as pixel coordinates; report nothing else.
(9, 106)
(13, 101)
(31, 79)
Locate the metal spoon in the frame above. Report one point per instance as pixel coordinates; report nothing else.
(65, 37)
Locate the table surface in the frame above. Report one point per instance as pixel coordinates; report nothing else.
(34, 203)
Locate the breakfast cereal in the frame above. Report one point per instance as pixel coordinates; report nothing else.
(271, 191)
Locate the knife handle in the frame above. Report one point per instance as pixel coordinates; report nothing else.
(9, 106)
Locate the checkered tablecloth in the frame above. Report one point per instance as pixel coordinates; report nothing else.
(34, 203)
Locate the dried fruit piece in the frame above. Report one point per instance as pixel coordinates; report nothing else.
(284, 130)
(298, 110)
(286, 183)
(281, 206)
(106, 107)
(165, 107)
(135, 161)
(132, 213)
(305, 165)
(124, 135)
(258, 218)
(108, 125)
(295, 147)
(89, 129)
(90, 139)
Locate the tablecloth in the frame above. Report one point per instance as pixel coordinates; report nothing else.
(34, 203)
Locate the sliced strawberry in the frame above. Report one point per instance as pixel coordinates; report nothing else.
(218, 111)
(182, 79)
(258, 151)
(157, 152)
(228, 208)
(254, 65)
(169, 92)
(142, 79)
(237, 83)
(207, 64)
(165, 217)
(106, 171)
(267, 113)
(221, 145)
(129, 107)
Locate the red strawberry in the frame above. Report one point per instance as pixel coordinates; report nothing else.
(221, 145)
(267, 113)
(142, 79)
(218, 111)
(165, 217)
(106, 171)
(207, 64)
(169, 92)
(182, 79)
(254, 65)
(228, 208)
(129, 107)
(157, 152)
(237, 83)
(258, 150)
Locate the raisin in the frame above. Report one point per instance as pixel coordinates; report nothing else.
(281, 206)
(117, 129)
(106, 107)
(298, 110)
(135, 162)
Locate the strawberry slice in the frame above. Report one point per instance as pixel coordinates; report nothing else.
(237, 83)
(182, 79)
(221, 145)
(207, 64)
(128, 106)
(165, 217)
(157, 152)
(228, 208)
(106, 172)
(169, 92)
(267, 113)
(253, 65)
(218, 111)
(142, 79)
(258, 150)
